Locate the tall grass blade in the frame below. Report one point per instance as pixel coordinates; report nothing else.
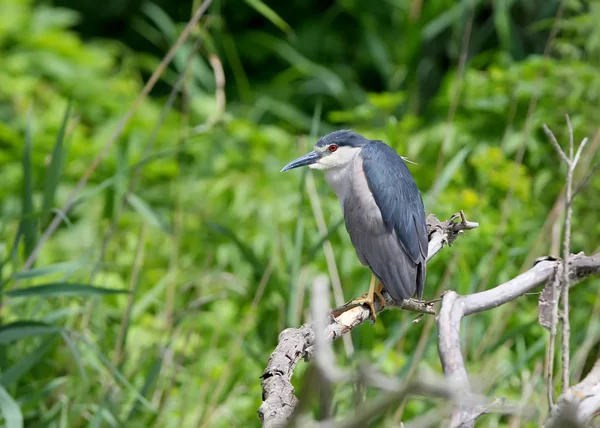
(10, 410)
(74, 352)
(315, 248)
(65, 267)
(54, 170)
(24, 364)
(64, 289)
(149, 382)
(147, 213)
(28, 224)
(23, 329)
(40, 394)
(114, 371)
(269, 14)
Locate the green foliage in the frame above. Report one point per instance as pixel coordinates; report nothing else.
(159, 298)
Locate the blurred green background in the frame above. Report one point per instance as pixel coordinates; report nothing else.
(217, 250)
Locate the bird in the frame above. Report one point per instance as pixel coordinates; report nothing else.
(383, 212)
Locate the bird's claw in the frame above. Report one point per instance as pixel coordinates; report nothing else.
(369, 300)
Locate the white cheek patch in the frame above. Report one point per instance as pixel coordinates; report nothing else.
(342, 156)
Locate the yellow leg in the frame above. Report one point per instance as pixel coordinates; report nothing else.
(378, 291)
(369, 297)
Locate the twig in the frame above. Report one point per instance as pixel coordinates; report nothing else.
(554, 142)
(217, 66)
(571, 162)
(566, 330)
(552, 343)
(586, 179)
(133, 285)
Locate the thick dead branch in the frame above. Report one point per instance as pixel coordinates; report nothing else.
(295, 344)
(578, 404)
(455, 307)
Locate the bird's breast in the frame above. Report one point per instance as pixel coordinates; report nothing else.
(352, 189)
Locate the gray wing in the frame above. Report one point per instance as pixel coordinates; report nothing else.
(397, 252)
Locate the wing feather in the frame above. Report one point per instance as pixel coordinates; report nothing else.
(397, 255)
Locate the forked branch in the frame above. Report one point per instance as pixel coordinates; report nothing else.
(455, 307)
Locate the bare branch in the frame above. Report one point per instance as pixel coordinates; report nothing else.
(319, 306)
(550, 289)
(554, 142)
(455, 307)
(571, 162)
(566, 330)
(295, 344)
(579, 404)
(571, 139)
(579, 150)
(446, 232)
(220, 99)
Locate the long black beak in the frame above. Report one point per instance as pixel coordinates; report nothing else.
(307, 159)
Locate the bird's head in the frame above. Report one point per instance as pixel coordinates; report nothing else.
(331, 151)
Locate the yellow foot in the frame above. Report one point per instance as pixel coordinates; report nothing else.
(369, 298)
(377, 292)
(366, 299)
(370, 302)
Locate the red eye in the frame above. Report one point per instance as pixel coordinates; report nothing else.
(332, 148)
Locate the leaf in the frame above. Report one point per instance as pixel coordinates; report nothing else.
(441, 22)
(146, 211)
(115, 371)
(10, 410)
(334, 84)
(162, 21)
(25, 363)
(23, 329)
(151, 378)
(153, 296)
(28, 224)
(64, 289)
(55, 168)
(66, 267)
(37, 395)
(74, 352)
(104, 414)
(269, 14)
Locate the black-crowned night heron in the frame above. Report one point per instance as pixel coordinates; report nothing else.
(383, 211)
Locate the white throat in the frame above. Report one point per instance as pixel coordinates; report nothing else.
(339, 168)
